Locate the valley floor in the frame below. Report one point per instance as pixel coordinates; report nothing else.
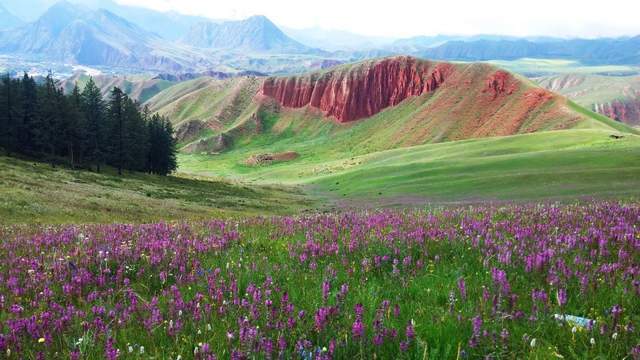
(557, 165)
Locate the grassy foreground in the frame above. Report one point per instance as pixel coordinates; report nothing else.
(36, 193)
(517, 282)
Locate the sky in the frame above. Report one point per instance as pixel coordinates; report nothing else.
(404, 18)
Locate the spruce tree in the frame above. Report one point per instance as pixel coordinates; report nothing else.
(170, 162)
(26, 131)
(47, 120)
(93, 108)
(116, 133)
(76, 123)
(9, 117)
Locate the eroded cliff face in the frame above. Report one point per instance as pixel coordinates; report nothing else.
(626, 111)
(499, 83)
(452, 101)
(361, 90)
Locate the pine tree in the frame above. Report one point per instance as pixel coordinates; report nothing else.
(9, 116)
(116, 133)
(26, 132)
(93, 108)
(76, 123)
(171, 164)
(47, 121)
(136, 136)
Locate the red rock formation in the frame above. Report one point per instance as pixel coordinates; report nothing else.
(361, 90)
(627, 111)
(500, 82)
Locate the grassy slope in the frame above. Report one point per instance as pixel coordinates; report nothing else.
(551, 165)
(583, 161)
(587, 90)
(34, 192)
(140, 88)
(544, 67)
(219, 102)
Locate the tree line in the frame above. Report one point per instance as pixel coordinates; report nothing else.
(83, 128)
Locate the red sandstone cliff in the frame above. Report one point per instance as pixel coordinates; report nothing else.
(361, 90)
(626, 111)
(459, 101)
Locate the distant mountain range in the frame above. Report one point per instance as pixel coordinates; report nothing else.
(169, 25)
(103, 33)
(256, 33)
(76, 34)
(589, 52)
(8, 20)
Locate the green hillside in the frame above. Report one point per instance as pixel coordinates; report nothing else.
(139, 87)
(35, 192)
(552, 165)
(218, 102)
(545, 67)
(588, 90)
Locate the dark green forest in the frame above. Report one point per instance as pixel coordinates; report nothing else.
(83, 129)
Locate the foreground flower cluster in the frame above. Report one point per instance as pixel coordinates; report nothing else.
(537, 281)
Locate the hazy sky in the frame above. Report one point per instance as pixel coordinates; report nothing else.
(399, 18)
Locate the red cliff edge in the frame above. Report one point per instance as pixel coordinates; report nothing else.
(359, 91)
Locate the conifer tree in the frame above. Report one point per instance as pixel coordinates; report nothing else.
(93, 108)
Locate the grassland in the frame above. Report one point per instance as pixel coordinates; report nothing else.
(547, 165)
(543, 67)
(36, 193)
(219, 102)
(587, 90)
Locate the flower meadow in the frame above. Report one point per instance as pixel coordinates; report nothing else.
(516, 281)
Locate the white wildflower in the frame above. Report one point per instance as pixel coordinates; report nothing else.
(592, 341)
(533, 342)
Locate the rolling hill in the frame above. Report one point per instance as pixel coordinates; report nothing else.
(140, 88)
(216, 102)
(424, 131)
(372, 105)
(617, 97)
